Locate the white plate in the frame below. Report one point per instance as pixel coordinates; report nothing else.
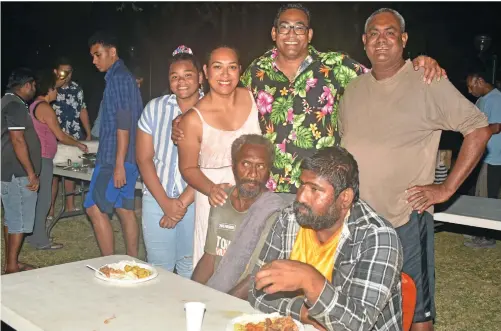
(121, 265)
(256, 318)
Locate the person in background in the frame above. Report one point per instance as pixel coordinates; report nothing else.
(489, 178)
(49, 132)
(138, 73)
(396, 150)
(237, 229)
(21, 162)
(221, 116)
(168, 212)
(71, 110)
(441, 169)
(97, 123)
(330, 260)
(114, 178)
(70, 105)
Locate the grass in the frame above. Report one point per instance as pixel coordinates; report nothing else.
(468, 290)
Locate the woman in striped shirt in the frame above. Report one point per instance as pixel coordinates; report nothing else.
(168, 213)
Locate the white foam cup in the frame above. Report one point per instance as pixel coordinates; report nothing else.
(194, 315)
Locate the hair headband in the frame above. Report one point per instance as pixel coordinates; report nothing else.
(182, 50)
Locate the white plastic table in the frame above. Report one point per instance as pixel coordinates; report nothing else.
(69, 297)
(473, 211)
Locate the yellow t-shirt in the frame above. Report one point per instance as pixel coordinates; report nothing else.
(308, 249)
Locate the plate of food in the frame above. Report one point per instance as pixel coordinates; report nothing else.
(126, 272)
(264, 322)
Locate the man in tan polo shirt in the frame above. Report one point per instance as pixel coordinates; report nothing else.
(391, 121)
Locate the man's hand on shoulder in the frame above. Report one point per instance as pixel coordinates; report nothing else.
(177, 134)
(431, 68)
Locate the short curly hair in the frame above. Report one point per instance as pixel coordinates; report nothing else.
(252, 139)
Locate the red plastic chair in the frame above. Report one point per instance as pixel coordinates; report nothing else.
(408, 301)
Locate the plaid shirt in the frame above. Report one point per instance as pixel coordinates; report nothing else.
(120, 109)
(365, 292)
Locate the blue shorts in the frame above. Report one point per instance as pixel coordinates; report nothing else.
(104, 194)
(19, 205)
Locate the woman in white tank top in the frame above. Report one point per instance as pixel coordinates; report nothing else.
(224, 114)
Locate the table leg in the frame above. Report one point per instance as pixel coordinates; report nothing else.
(63, 209)
(63, 213)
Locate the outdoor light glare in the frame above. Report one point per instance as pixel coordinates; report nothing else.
(482, 42)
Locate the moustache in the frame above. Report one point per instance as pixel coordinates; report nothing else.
(298, 205)
(248, 181)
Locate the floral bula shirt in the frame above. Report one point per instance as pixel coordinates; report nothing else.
(299, 117)
(68, 105)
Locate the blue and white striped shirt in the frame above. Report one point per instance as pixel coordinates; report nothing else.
(156, 120)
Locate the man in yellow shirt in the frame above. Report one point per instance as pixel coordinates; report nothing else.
(329, 259)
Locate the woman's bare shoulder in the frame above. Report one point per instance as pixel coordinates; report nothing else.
(44, 110)
(244, 97)
(190, 119)
(243, 90)
(203, 104)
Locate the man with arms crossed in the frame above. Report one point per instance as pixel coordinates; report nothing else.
(391, 122)
(237, 230)
(113, 181)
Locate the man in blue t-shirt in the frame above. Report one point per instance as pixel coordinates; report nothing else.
(114, 178)
(489, 178)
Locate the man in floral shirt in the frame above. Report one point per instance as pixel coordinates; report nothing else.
(70, 106)
(297, 91)
(70, 110)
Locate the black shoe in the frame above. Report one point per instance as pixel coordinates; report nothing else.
(481, 242)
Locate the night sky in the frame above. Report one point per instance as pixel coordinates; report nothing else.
(35, 34)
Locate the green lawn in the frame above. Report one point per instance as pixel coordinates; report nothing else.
(468, 291)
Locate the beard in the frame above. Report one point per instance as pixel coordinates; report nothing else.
(316, 222)
(249, 193)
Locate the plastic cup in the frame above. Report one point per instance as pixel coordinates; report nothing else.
(194, 315)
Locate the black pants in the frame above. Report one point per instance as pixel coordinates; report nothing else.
(493, 180)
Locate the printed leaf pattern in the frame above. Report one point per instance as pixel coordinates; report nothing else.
(301, 120)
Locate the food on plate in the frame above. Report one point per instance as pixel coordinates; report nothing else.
(269, 324)
(128, 272)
